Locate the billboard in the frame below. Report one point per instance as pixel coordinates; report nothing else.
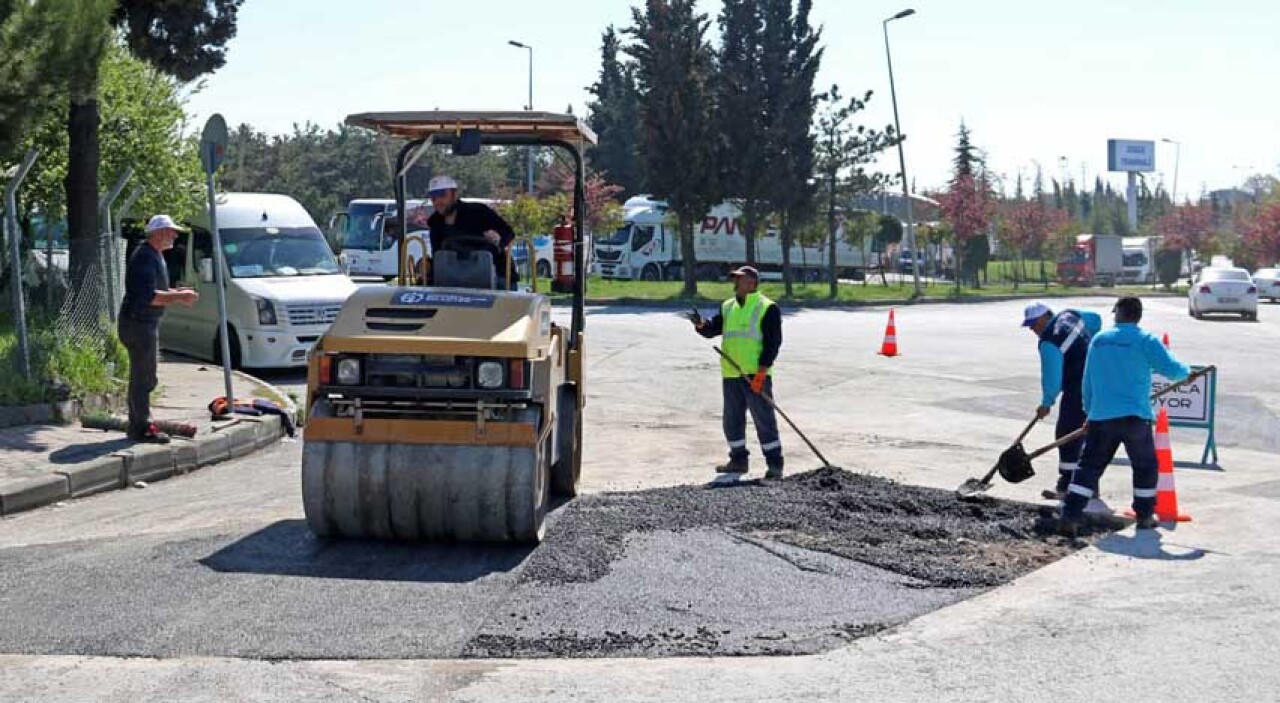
(1131, 155)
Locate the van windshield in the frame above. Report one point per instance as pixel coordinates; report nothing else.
(364, 226)
(261, 252)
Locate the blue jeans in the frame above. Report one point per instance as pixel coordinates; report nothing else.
(1100, 445)
(738, 399)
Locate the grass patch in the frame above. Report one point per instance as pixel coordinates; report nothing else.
(59, 367)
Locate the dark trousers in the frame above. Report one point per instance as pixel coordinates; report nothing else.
(1100, 445)
(1070, 418)
(738, 399)
(142, 340)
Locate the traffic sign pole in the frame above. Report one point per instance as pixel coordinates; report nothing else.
(213, 149)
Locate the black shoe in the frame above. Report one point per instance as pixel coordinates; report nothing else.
(1149, 522)
(732, 467)
(773, 473)
(1068, 528)
(1051, 494)
(153, 435)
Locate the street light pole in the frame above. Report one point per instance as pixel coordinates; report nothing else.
(1177, 158)
(902, 158)
(529, 150)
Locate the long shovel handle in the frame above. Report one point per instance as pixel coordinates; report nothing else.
(1067, 439)
(775, 407)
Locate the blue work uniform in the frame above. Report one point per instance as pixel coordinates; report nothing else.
(1064, 347)
(1117, 401)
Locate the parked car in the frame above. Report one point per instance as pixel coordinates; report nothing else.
(904, 262)
(1268, 283)
(1223, 290)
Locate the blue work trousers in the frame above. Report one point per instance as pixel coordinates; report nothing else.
(738, 399)
(1100, 445)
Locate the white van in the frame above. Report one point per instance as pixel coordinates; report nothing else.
(283, 287)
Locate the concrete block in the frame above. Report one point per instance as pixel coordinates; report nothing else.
(242, 439)
(212, 448)
(269, 431)
(105, 474)
(33, 493)
(147, 463)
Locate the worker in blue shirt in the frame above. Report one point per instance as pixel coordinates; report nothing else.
(1117, 403)
(1064, 346)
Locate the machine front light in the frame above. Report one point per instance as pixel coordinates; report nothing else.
(489, 374)
(349, 372)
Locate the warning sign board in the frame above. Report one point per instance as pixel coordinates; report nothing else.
(1190, 404)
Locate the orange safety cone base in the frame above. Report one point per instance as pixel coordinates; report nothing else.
(1162, 518)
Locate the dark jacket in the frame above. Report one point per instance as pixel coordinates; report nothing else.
(145, 273)
(473, 219)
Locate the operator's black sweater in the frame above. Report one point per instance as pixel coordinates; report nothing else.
(473, 219)
(770, 328)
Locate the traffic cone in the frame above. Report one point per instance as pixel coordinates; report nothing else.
(1166, 340)
(1166, 494)
(890, 345)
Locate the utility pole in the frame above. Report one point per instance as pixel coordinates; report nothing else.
(902, 158)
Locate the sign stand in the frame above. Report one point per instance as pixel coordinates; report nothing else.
(1192, 405)
(213, 150)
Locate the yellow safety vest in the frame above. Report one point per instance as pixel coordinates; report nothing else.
(743, 335)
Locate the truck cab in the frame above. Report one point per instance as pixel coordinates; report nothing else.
(643, 248)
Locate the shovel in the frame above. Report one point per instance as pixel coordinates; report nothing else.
(1016, 461)
(825, 464)
(975, 487)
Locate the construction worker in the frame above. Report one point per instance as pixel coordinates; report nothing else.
(752, 328)
(453, 217)
(1116, 391)
(1064, 345)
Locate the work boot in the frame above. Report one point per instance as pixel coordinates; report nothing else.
(1148, 522)
(1068, 528)
(1051, 494)
(152, 435)
(732, 467)
(773, 473)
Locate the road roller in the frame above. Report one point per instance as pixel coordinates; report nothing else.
(451, 411)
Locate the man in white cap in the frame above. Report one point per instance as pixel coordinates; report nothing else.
(453, 217)
(1064, 346)
(146, 294)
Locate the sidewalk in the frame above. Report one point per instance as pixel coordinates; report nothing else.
(45, 464)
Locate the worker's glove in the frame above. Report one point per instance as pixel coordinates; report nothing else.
(757, 381)
(695, 317)
(1042, 412)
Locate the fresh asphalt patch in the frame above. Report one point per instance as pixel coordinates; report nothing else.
(781, 567)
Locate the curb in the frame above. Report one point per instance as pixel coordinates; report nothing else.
(149, 462)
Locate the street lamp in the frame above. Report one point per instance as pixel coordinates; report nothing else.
(902, 158)
(529, 150)
(1177, 157)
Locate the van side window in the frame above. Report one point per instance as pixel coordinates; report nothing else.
(642, 236)
(176, 259)
(203, 244)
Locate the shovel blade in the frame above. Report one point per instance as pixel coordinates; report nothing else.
(973, 488)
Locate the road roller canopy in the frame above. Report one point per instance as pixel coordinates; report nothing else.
(494, 127)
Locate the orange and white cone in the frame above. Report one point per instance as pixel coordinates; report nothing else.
(1166, 493)
(890, 345)
(1166, 340)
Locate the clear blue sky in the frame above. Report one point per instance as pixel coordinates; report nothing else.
(1035, 81)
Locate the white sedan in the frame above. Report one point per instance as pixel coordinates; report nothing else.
(1220, 289)
(1268, 283)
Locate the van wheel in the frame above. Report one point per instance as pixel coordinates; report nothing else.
(650, 273)
(544, 269)
(235, 348)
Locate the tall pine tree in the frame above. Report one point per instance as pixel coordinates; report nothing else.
(739, 88)
(614, 117)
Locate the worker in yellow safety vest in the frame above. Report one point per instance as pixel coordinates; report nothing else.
(751, 325)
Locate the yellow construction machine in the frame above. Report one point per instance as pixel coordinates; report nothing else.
(450, 412)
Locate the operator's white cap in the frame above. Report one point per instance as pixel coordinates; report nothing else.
(160, 222)
(440, 184)
(1034, 312)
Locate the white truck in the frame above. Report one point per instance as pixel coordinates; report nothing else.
(1139, 259)
(366, 235)
(647, 247)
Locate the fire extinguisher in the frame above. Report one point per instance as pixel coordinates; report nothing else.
(563, 255)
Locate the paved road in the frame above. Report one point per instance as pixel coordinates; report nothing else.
(1194, 616)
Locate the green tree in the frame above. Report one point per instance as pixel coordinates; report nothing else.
(740, 114)
(674, 66)
(181, 38)
(612, 115)
(30, 67)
